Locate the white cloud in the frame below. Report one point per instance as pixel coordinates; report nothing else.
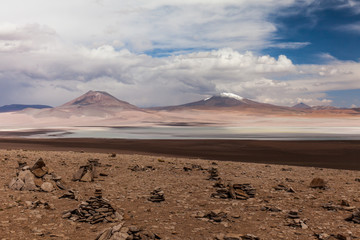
(290, 45)
(144, 25)
(40, 67)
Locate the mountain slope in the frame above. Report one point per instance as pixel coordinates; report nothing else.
(98, 99)
(301, 106)
(91, 104)
(227, 101)
(19, 107)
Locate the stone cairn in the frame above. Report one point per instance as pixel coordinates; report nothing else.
(95, 210)
(121, 232)
(234, 191)
(38, 178)
(293, 220)
(87, 173)
(157, 195)
(139, 168)
(214, 174)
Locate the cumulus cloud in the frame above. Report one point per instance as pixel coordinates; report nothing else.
(146, 25)
(38, 66)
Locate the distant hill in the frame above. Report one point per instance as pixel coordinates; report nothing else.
(19, 107)
(301, 106)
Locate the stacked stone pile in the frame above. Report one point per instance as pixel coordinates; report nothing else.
(234, 191)
(88, 172)
(140, 168)
(214, 174)
(157, 195)
(38, 178)
(95, 210)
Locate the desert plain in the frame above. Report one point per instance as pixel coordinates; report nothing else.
(196, 203)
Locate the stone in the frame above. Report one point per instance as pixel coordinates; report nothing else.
(28, 178)
(21, 164)
(38, 182)
(47, 187)
(88, 177)
(70, 194)
(318, 183)
(105, 235)
(16, 184)
(79, 173)
(38, 172)
(38, 164)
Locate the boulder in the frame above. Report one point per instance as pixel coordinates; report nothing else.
(318, 183)
(16, 184)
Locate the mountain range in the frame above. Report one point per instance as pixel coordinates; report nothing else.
(97, 108)
(102, 102)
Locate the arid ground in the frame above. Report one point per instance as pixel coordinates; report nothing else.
(284, 205)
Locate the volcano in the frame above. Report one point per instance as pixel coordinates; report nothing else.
(91, 104)
(230, 102)
(98, 99)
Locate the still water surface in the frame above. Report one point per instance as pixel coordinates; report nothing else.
(255, 133)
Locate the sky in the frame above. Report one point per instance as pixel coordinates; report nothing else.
(156, 53)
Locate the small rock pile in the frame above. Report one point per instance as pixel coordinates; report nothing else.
(40, 204)
(120, 232)
(281, 187)
(355, 217)
(213, 216)
(344, 205)
(193, 167)
(234, 191)
(70, 194)
(214, 174)
(94, 210)
(157, 195)
(139, 168)
(87, 173)
(295, 221)
(37, 178)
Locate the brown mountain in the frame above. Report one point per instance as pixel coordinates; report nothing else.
(98, 99)
(229, 101)
(92, 103)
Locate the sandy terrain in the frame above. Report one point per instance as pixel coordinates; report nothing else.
(187, 198)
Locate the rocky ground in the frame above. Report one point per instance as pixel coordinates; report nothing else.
(175, 198)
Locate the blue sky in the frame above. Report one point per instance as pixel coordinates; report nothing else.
(325, 27)
(164, 52)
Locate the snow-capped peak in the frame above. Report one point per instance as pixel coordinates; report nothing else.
(231, 95)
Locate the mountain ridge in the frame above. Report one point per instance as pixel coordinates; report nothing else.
(20, 107)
